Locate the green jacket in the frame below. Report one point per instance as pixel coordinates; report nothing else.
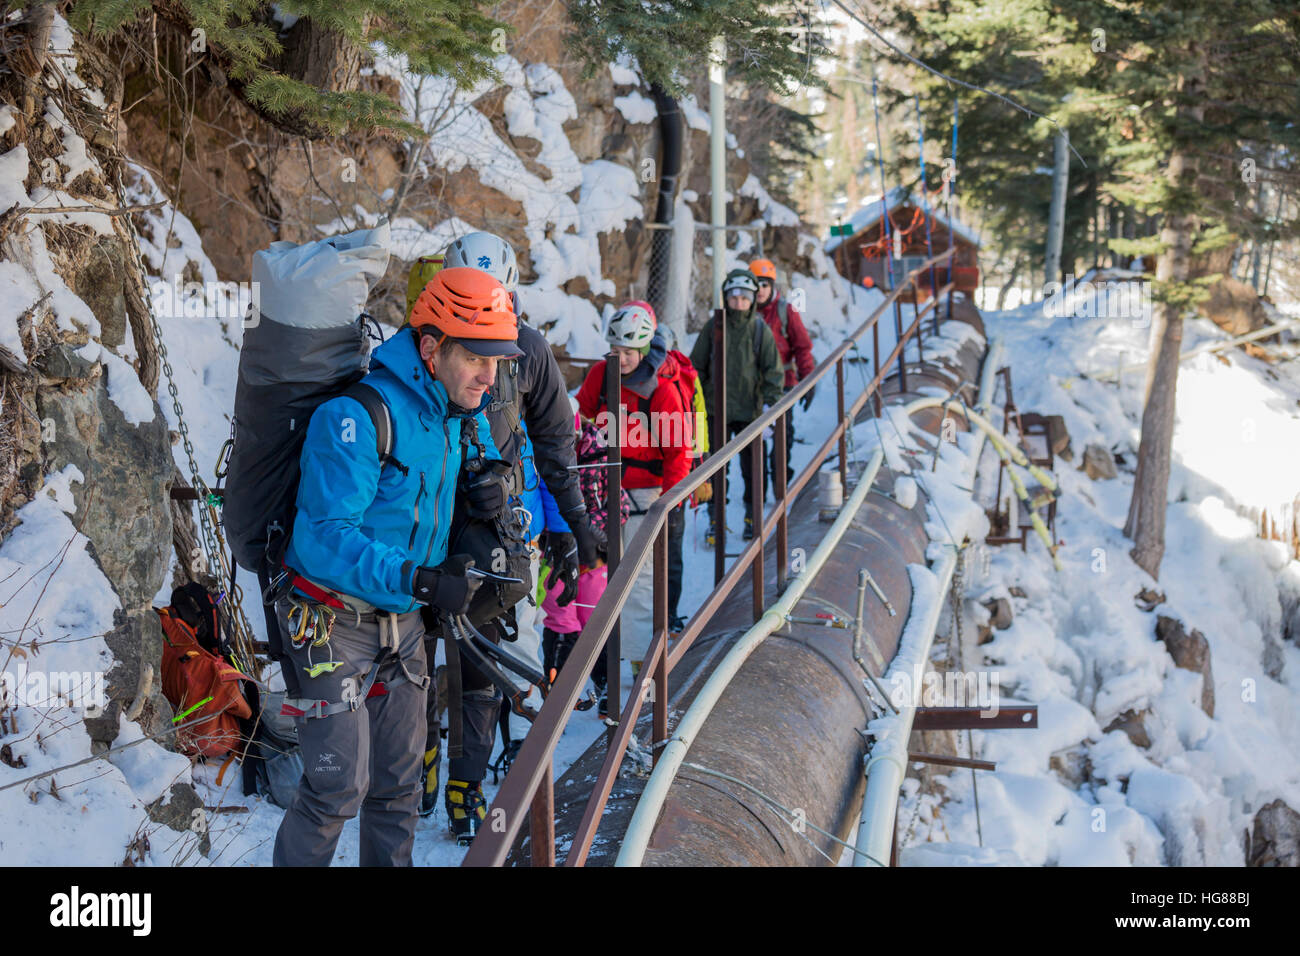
(754, 375)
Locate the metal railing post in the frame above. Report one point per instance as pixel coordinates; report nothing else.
(875, 364)
(756, 499)
(934, 297)
(898, 337)
(778, 492)
(839, 405)
(916, 307)
(614, 529)
(660, 663)
(718, 427)
(541, 821)
(952, 281)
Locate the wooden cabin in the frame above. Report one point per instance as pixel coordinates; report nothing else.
(865, 253)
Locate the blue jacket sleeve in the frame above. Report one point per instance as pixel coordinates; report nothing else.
(554, 520)
(340, 476)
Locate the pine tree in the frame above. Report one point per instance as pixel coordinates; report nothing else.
(1174, 107)
(305, 79)
(1028, 51)
(768, 44)
(1202, 91)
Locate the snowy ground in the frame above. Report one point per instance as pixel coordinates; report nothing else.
(1082, 650)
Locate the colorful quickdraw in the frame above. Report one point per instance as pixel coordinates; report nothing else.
(311, 625)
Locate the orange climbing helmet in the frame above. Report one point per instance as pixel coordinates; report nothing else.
(470, 307)
(763, 269)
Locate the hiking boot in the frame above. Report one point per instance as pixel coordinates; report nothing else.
(749, 528)
(429, 799)
(466, 810)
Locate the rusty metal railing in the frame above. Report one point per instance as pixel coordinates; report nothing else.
(528, 789)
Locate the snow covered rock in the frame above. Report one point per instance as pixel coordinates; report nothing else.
(1234, 307)
(1190, 652)
(1098, 463)
(1276, 837)
(1000, 611)
(1134, 724)
(1148, 598)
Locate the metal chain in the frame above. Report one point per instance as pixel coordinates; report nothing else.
(214, 555)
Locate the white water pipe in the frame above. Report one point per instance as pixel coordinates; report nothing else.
(887, 761)
(642, 824)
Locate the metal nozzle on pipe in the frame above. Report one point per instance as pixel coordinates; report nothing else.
(859, 628)
(871, 582)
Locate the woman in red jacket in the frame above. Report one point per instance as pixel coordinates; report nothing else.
(656, 445)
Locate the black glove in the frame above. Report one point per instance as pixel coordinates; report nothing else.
(591, 540)
(562, 556)
(447, 587)
(485, 492)
(806, 401)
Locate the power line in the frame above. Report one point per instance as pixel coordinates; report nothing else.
(951, 79)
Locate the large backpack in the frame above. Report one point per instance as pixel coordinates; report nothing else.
(307, 344)
(689, 390)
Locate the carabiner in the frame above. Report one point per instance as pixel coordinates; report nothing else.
(298, 633)
(223, 458)
(324, 625)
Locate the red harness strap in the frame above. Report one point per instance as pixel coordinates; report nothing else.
(317, 594)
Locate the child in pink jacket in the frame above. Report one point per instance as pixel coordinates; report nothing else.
(564, 623)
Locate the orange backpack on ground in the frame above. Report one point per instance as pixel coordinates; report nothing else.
(193, 675)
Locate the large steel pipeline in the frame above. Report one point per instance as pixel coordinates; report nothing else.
(789, 723)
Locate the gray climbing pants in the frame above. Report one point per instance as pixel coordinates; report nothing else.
(366, 756)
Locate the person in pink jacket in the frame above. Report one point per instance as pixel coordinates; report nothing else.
(568, 604)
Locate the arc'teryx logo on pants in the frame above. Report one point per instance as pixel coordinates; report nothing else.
(326, 762)
(102, 909)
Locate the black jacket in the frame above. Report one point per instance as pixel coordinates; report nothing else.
(534, 388)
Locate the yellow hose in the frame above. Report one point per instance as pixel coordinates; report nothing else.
(1008, 453)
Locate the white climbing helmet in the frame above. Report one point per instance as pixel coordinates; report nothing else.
(740, 280)
(632, 326)
(488, 252)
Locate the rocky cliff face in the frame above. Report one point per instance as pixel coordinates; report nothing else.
(80, 362)
(515, 157)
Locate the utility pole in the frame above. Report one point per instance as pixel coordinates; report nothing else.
(1277, 217)
(718, 162)
(1056, 220)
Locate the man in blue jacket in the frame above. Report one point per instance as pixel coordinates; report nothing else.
(369, 547)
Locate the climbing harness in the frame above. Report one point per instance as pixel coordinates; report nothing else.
(370, 686)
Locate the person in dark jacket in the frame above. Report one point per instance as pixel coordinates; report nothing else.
(794, 345)
(753, 369)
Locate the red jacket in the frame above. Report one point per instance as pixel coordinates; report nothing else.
(796, 347)
(661, 440)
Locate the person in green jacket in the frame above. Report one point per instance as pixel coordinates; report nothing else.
(755, 378)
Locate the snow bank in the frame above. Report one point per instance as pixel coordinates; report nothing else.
(55, 592)
(1072, 792)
